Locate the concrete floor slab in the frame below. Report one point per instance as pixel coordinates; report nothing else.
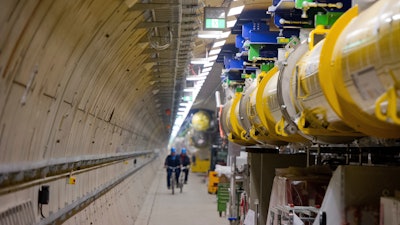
(194, 206)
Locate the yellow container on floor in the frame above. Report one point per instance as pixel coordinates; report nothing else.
(201, 166)
(213, 181)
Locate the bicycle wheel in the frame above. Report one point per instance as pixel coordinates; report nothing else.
(181, 185)
(181, 180)
(173, 183)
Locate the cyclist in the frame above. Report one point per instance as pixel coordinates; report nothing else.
(172, 160)
(185, 160)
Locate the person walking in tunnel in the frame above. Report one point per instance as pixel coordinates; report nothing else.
(185, 160)
(172, 160)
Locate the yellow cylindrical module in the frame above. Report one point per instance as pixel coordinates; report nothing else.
(253, 129)
(345, 87)
(269, 109)
(236, 122)
(359, 70)
(258, 131)
(231, 123)
(245, 115)
(224, 117)
(311, 112)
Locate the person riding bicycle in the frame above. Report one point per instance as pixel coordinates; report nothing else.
(185, 160)
(172, 160)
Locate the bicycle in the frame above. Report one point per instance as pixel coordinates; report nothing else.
(182, 177)
(173, 179)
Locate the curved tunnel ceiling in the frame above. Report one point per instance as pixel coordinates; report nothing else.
(75, 72)
(68, 61)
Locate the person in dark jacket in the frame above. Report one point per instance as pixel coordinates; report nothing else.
(185, 160)
(172, 160)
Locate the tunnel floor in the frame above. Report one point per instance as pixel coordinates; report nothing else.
(193, 206)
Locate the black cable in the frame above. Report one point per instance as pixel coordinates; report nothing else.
(41, 210)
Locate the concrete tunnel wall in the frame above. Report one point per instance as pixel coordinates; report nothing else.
(73, 87)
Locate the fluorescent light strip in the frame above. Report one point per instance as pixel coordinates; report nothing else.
(218, 44)
(208, 69)
(209, 34)
(212, 58)
(230, 23)
(235, 10)
(189, 89)
(199, 83)
(224, 35)
(210, 64)
(215, 51)
(195, 78)
(199, 61)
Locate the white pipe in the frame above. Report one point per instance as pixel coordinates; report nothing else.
(218, 98)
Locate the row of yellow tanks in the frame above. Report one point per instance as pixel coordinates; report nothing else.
(344, 88)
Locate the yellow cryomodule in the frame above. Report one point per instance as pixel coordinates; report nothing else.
(346, 87)
(255, 116)
(251, 117)
(248, 116)
(360, 69)
(269, 109)
(352, 70)
(259, 113)
(308, 106)
(231, 123)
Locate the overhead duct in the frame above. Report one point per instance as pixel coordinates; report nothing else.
(172, 52)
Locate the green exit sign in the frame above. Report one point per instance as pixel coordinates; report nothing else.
(215, 24)
(214, 18)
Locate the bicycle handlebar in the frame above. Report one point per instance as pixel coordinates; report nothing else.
(176, 167)
(173, 167)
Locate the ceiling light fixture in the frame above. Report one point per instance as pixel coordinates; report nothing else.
(208, 69)
(210, 64)
(199, 61)
(231, 23)
(235, 10)
(189, 89)
(214, 52)
(224, 35)
(209, 34)
(213, 58)
(200, 83)
(196, 78)
(218, 44)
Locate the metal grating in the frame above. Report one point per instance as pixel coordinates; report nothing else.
(21, 214)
